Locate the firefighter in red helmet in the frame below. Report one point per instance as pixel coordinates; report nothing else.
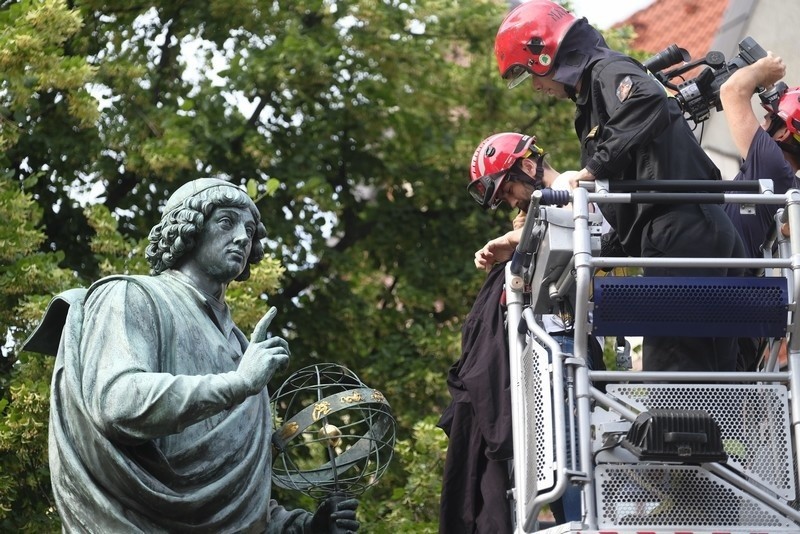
(769, 149)
(498, 162)
(508, 167)
(629, 128)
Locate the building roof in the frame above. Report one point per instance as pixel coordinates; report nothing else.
(691, 24)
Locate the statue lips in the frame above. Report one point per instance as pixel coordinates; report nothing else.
(236, 255)
(236, 251)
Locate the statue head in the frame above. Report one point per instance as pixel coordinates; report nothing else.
(184, 216)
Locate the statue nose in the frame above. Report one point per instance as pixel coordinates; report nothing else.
(241, 237)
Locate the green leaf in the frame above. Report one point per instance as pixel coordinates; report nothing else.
(252, 188)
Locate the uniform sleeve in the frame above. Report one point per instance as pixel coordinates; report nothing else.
(124, 392)
(637, 110)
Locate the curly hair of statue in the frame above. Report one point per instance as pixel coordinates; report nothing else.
(175, 234)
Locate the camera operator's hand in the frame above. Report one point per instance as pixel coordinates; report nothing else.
(763, 73)
(736, 95)
(263, 357)
(769, 70)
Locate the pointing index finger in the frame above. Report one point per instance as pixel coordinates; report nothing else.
(260, 332)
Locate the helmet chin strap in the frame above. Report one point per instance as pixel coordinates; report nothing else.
(538, 177)
(790, 147)
(776, 123)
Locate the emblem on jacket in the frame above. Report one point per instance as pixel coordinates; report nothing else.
(624, 89)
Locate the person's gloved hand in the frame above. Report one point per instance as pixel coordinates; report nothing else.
(263, 356)
(610, 246)
(335, 515)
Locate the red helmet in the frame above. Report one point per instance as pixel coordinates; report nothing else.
(492, 161)
(528, 39)
(787, 107)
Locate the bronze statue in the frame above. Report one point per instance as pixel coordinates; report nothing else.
(160, 416)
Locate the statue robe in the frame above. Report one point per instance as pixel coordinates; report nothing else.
(150, 427)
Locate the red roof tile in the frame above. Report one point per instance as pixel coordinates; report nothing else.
(691, 24)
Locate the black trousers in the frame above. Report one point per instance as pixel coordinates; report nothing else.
(686, 231)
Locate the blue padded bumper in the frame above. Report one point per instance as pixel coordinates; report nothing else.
(690, 306)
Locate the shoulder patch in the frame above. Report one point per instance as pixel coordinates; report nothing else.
(624, 89)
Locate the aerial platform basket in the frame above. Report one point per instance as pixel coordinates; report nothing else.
(705, 452)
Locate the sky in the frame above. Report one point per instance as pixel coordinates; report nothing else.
(604, 13)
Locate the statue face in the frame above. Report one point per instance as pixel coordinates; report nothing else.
(224, 244)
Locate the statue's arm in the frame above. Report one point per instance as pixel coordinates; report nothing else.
(124, 392)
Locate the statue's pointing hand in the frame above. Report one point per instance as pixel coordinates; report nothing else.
(263, 356)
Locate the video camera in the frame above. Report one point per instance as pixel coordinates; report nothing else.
(699, 95)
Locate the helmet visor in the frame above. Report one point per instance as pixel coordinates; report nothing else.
(516, 75)
(484, 189)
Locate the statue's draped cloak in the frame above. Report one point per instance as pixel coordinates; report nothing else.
(150, 429)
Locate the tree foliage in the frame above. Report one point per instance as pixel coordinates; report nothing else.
(351, 122)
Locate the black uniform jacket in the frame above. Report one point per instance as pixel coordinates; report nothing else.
(629, 127)
(478, 421)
